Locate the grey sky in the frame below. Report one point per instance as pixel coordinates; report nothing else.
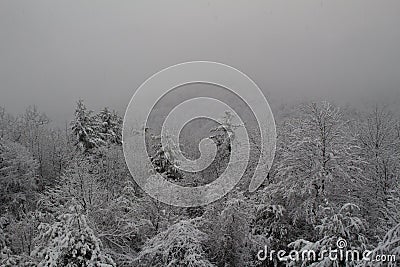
(55, 52)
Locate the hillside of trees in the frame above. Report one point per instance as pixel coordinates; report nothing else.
(68, 199)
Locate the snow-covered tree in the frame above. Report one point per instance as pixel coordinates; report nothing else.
(100, 185)
(8, 123)
(271, 222)
(17, 178)
(318, 162)
(111, 172)
(85, 128)
(79, 183)
(182, 244)
(23, 232)
(110, 126)
(123, 225)
(222, 135)
(163, 158)
(228, 226)
(392, 209)
(389, 246)
(380, 144)
(235, 232)
(344, 224)
(225, 131)
(70, 242)
(49, 147)
(6, 258)
(34, 123)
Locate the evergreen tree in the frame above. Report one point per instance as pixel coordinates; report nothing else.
(85, 128)
(110, 126)
(70, 242)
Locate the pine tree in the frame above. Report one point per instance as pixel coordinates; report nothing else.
(110, 126)
(85, 128)
(70, 242)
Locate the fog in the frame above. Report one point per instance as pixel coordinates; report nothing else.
(54, 52)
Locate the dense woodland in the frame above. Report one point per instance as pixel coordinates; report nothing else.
(68, 199)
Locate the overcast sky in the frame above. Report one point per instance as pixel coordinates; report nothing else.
(55, 52)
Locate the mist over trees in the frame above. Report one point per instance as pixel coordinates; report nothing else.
(68, 199)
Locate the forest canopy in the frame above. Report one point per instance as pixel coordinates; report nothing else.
(68, 199)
